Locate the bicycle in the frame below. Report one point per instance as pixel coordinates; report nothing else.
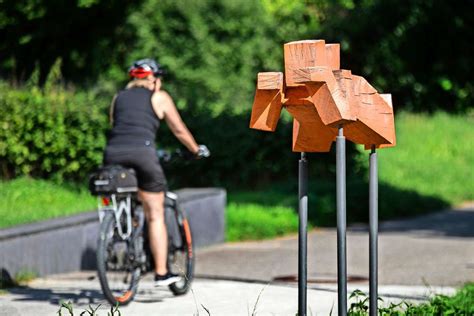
(123, 253)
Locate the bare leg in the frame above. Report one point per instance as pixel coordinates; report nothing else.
(153, 204)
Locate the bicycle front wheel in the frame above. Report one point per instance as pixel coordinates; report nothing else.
(181, 256)
(118, 275)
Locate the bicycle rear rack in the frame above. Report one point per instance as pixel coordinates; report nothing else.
(118, 205)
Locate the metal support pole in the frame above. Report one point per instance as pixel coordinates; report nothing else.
(373, 232)
(302, 236)
(341, 222)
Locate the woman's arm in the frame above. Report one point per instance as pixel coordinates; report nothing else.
(165, 109)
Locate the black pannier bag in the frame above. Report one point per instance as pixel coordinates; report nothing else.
(113, 179)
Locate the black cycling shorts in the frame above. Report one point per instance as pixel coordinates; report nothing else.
(143, 160)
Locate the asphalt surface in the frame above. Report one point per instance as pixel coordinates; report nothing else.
(417, 258)
(436, 249)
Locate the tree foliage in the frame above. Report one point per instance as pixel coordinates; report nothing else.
(38, 32)
(213, 49)
(418, 50)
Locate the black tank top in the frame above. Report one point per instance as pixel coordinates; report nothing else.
(134, 120)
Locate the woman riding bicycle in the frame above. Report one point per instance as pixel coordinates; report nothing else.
(135, 114)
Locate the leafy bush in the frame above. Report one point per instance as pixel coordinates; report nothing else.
(50, 132)
(461, 304)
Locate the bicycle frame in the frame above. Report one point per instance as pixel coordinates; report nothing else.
(121, 205)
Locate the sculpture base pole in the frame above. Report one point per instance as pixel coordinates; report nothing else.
(373, 232)
(341, 222)
(303, 233)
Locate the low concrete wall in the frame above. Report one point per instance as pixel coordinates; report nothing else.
(69, 243)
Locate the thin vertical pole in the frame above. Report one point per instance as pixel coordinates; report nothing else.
(302, 236)
(373, 232)
(341, 222)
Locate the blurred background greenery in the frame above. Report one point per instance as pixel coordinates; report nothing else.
(62, 61)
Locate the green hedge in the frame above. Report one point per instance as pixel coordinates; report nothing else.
(50, 133)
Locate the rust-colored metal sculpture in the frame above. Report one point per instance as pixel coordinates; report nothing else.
(320, 96)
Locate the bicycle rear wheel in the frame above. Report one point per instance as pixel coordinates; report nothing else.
(118, 275)
(181, 255)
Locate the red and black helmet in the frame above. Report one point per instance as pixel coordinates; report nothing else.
(144, 67)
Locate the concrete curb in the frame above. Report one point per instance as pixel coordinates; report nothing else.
(69, 243)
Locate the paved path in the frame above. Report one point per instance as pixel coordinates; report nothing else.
(436, 249)
(418, 257)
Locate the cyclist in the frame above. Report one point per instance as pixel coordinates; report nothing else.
(135, 114)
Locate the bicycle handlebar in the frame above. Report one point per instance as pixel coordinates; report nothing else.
(168, 156)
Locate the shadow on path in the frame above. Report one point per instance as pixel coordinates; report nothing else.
(450, 223)
(55, 296)
(79, 296)
(453, 223)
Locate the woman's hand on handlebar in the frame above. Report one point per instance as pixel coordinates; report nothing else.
(203, 152)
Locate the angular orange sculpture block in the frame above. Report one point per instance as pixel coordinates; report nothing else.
(375, 120)
(390, 124)
(267, 103)
(304, 139)
(303, 54)
(333, 56)
(319, 63)
(321, 97)
(270, 81)
(307, 123)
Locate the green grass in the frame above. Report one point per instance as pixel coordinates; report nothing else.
(434, 156)
(254, 221)
(24, 276)
(25, 200)
(261, 214)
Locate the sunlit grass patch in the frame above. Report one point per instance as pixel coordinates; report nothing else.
(26, 200)
(254, 221)
(434, 156)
